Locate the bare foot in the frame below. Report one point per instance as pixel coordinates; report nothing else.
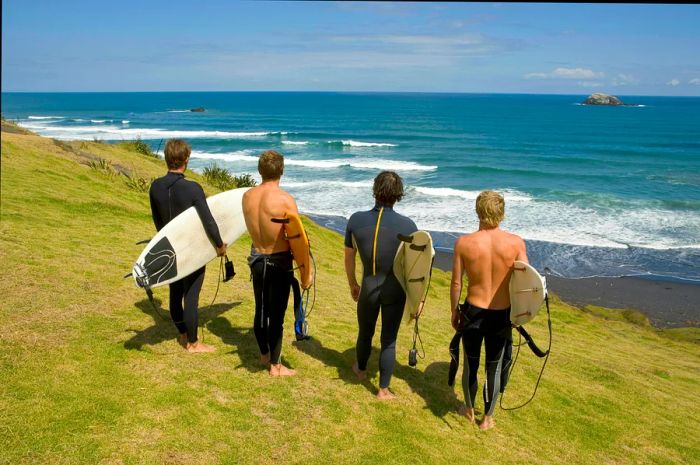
(198, 347)
(361, 374)
(182, 340)
(265, 359)
(487, 423)
(385, 394)
(281, 370)
(468, 412)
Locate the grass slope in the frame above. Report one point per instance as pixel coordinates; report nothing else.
(91, 375)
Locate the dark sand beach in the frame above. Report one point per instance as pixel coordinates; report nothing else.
(667, 304)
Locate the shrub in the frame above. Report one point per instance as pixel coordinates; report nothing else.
(103, 166)
(139, 146)
(138, 183)
(223, 179)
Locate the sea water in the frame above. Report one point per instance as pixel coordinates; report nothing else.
(595, 191)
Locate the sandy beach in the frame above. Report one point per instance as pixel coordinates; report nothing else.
(667, 304)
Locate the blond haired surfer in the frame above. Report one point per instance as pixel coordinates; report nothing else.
(270, 259)
(486, 256)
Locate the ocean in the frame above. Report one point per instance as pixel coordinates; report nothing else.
(594, 191)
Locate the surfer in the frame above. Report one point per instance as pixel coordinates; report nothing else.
(170, 195)
(374, 234)
(486, 257)
(270, 259)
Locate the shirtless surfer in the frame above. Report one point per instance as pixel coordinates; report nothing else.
(486, 257)
(270, 259)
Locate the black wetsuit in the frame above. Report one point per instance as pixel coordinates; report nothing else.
(379, 287)
(272, 275)
(171, 195)
(493, 328)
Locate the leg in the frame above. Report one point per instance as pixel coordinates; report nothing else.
(276, 294)
(367, 314)
(391, 322)
(177, 292)
(471, 344)
(260, 320)
(193, 285)
(495, 345)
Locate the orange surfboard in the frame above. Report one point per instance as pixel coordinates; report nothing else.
(299, 243)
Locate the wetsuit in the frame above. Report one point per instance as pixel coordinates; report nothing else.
(493, 328)
(171, 195)
(272, 275)
(379, 287)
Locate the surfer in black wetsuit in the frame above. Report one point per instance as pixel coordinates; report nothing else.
(171, 195)
(486, 256)
(374, 234)
(270, 259)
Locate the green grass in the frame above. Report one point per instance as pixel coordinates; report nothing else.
(92, 375)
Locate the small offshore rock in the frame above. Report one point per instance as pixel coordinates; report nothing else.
(602, 99)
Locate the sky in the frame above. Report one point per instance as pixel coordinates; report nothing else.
(621, 49)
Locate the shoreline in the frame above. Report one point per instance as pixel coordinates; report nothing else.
(667, 303)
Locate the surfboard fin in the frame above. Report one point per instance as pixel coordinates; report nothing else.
(403, 238)
(128, 275)
(280, 220)
(145, 241)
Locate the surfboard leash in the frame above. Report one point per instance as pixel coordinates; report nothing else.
(544, 355)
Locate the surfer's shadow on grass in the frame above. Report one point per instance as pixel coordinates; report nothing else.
(243, 339)
(163, 328)
(342, 361)
(431, 385)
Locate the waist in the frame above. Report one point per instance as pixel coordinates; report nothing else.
(281, 259)
(493, 311)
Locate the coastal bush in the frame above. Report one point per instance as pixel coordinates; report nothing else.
(222, 178)
(139, 146)
(138, 183)
(103, 166)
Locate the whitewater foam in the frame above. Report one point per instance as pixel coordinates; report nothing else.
(108, 132)
(355, 143)
(45, 117)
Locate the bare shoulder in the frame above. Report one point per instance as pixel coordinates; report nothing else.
(464, 242)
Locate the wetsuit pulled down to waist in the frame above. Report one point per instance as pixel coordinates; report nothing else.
(492, 327)
(271, 275)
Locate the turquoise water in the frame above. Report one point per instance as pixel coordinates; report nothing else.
(605, 191)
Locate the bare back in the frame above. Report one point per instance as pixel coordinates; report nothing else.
(487, 256)
(260, 205)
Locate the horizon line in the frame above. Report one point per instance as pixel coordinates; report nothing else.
(326, 92)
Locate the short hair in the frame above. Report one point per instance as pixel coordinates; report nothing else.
(388, 188)
(177, 151)
(490, 207)
(271, 165)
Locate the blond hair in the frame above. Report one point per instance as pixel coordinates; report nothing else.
(490, 207)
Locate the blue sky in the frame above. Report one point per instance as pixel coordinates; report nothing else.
(623, 49)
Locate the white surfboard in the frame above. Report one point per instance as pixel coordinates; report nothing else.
(527, 292)
(182, 246)
(412, 265)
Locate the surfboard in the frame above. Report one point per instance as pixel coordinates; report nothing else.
(301, 249)
(413, 263)
(182, 246)
(527, 292)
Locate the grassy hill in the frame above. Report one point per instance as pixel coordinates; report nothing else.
(91, 375)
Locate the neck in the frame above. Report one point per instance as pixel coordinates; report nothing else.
(271, 182)
(179, 170)
(379, 204)
(485, 227)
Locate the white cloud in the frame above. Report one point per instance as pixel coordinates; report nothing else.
(673, 82)
(589, 84)
(695, 82)
(567, 73)
(624, 79)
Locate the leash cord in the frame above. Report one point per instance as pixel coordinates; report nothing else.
(512, 366)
